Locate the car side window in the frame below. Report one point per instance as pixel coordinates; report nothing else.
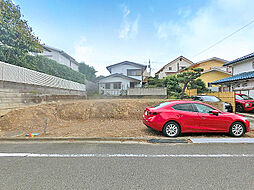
(184, 107)
(203, 108)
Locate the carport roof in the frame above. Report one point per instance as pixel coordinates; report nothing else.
(241, 76)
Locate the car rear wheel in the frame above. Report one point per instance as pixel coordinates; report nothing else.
(239, 108)
(237, 129)
(171, 129)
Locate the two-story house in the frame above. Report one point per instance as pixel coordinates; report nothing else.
(173, 67)
(124, 75)
(242, 80)
(59, 56)
(213, 70)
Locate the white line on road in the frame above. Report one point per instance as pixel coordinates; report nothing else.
(34, 155)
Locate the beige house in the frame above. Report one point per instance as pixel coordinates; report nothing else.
(174, 67)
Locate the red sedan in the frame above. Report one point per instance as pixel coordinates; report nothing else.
(176, 117)
(244, 103)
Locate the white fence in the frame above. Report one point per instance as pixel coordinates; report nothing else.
(17, 74)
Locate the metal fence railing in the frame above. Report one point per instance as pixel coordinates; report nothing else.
(13, 73)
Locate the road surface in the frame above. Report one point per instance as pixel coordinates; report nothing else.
(82, 165)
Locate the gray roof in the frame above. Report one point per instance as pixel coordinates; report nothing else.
(241, 76)
(61, 52)
(126, 63)
(120, 75)
(240, 59)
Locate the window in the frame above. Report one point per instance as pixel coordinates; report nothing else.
(133, 72)
(210, 99)
(117, 85)
(170, 68)
(107, 85)
(162, 105)
(203, 108)
(133, 84)
(209, 84)
(183, 107)
(183, 67)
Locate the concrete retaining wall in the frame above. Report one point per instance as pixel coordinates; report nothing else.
(147, 92)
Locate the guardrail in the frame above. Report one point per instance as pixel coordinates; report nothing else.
(13, 73)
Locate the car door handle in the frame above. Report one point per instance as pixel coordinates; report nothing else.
(203, 117)
(179, 115)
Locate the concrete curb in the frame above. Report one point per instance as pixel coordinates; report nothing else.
(137, 139)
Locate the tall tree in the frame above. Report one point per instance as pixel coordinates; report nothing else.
(188, 76)
(16, 37)
(88, 71)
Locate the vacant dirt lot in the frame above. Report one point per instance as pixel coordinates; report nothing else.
(87, 118)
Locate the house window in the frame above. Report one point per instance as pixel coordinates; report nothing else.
(170, 68)
(133, 72)
(107, 85)
(183, 67)
(209, 84)
(117, 85)
(253, 65)
(133, 84)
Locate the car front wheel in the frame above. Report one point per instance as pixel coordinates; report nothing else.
(239, 108)
(171, 129)
(237, 129)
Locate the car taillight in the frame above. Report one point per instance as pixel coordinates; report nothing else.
(152, 113)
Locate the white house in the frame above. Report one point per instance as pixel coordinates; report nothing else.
(124, 75)
(173, 67)
(242, 80)
(59, 56)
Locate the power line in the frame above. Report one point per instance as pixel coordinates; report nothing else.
(226, 37)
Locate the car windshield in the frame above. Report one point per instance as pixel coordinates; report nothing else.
(244, 97)
(210, 99)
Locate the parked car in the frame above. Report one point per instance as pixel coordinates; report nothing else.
(228, 106)
(244, 103)
(176, 117)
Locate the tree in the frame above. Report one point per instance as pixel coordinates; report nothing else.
(16, 37)
(155, 82)
(199, 85)
(173, 87)
(88, 71)
(188, 76)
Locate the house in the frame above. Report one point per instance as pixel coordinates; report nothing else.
(59, 56)
(124, 75)
(173, 67)
(242, 80)
(213, 70)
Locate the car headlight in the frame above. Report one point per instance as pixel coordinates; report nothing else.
(247, 105)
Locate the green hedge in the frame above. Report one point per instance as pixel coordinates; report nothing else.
(51, 67)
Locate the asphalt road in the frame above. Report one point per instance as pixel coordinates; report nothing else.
(126, 166)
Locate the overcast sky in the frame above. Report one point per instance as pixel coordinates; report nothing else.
(105, 32)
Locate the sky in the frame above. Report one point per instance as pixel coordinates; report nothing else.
(105, 32)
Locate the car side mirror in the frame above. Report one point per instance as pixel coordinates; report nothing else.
(214, 112)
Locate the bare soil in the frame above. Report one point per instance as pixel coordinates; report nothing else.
(86, 118)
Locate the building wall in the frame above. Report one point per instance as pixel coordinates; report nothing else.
(213, 76)
(122, 69)
(243, 67)
(174, 65)
(58, 57)
(125, 84)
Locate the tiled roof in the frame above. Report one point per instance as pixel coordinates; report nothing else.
(239, 59)
(241, 76)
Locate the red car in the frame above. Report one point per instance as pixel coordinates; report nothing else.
(244, 103)
(176, 117)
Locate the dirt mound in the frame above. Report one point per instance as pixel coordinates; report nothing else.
(64, 114)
